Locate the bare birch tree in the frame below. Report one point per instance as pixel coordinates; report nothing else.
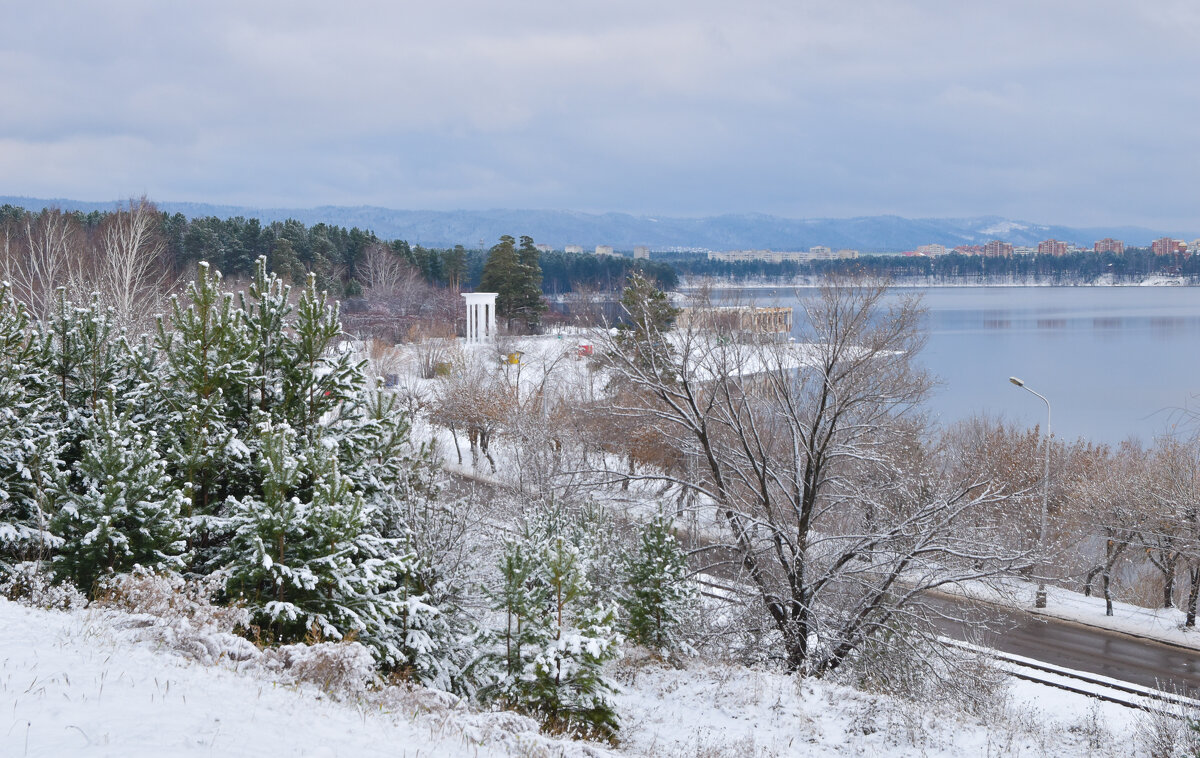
(128, 267)
(41, 253)
(811, 456)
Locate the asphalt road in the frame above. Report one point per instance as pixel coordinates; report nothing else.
(1073, 646)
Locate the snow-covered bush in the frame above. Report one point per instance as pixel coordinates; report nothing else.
(1170, 731)
(341, 669)
(177, 613)
(28, 582)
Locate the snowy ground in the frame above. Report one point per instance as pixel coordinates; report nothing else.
(77, 684)
(732, 711)
(95, 683)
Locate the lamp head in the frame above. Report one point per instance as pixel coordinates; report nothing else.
(1016, 381)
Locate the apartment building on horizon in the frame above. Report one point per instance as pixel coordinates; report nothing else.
(998, 249)
(820, 252)
(1052, 247)
(1168, 246)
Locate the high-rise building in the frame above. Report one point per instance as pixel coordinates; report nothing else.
(931, 250)
(577, 249)
(642, 252)
(1109, 245)
(1052, 247)
(604, 250)
(998, 249)
(1168, 246)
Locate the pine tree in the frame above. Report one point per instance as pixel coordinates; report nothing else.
(301, 557)
(206, 366)
(29, 443)
(529, 304)
(658, 595)
(502, 275)
(650, 316)
(317, 380)
(117, 508)
(556, 638)
(400, 485)
(266, 308)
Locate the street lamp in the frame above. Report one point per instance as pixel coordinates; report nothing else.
(1040, 598)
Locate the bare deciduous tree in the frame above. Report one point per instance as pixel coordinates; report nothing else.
(812, 456)
(474, 399)
(128, 269)
(1171, 482)
(41, 252)
(1107, 495)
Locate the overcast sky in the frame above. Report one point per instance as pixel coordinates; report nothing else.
(1057, 112)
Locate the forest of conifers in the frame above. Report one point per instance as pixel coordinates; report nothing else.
(335, 254)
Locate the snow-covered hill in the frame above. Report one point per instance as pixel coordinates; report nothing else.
(622, 230)
(106, 682)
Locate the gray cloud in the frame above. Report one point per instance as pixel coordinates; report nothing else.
(1067, 112)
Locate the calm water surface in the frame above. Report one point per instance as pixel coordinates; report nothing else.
(1114, 361)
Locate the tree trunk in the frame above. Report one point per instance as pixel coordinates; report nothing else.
(1091, 577)
(1193, 594)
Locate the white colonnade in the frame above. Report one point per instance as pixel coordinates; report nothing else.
(481, 316)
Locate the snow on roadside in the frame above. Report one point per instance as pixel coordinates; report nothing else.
(73, 684)
(1161, 624)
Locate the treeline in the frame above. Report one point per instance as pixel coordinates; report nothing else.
(1133, 264)
(336, 255)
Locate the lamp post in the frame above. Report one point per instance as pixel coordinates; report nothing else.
(1040, 598)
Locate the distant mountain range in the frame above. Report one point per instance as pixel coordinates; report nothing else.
(623, 231)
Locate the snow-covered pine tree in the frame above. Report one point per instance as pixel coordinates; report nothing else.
(28, 440)
(523, 599)
(206, 359)
(401, 489)
(82, 351)
(658, 595)
(549, 656)
(117, 508)
(301, 557)
(267, 306)
(318, 380)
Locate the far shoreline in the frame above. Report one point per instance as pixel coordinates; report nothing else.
(685, 285)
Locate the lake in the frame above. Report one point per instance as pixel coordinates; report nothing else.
(1113, 361)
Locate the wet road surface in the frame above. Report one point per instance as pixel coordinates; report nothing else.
(1073, 646)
